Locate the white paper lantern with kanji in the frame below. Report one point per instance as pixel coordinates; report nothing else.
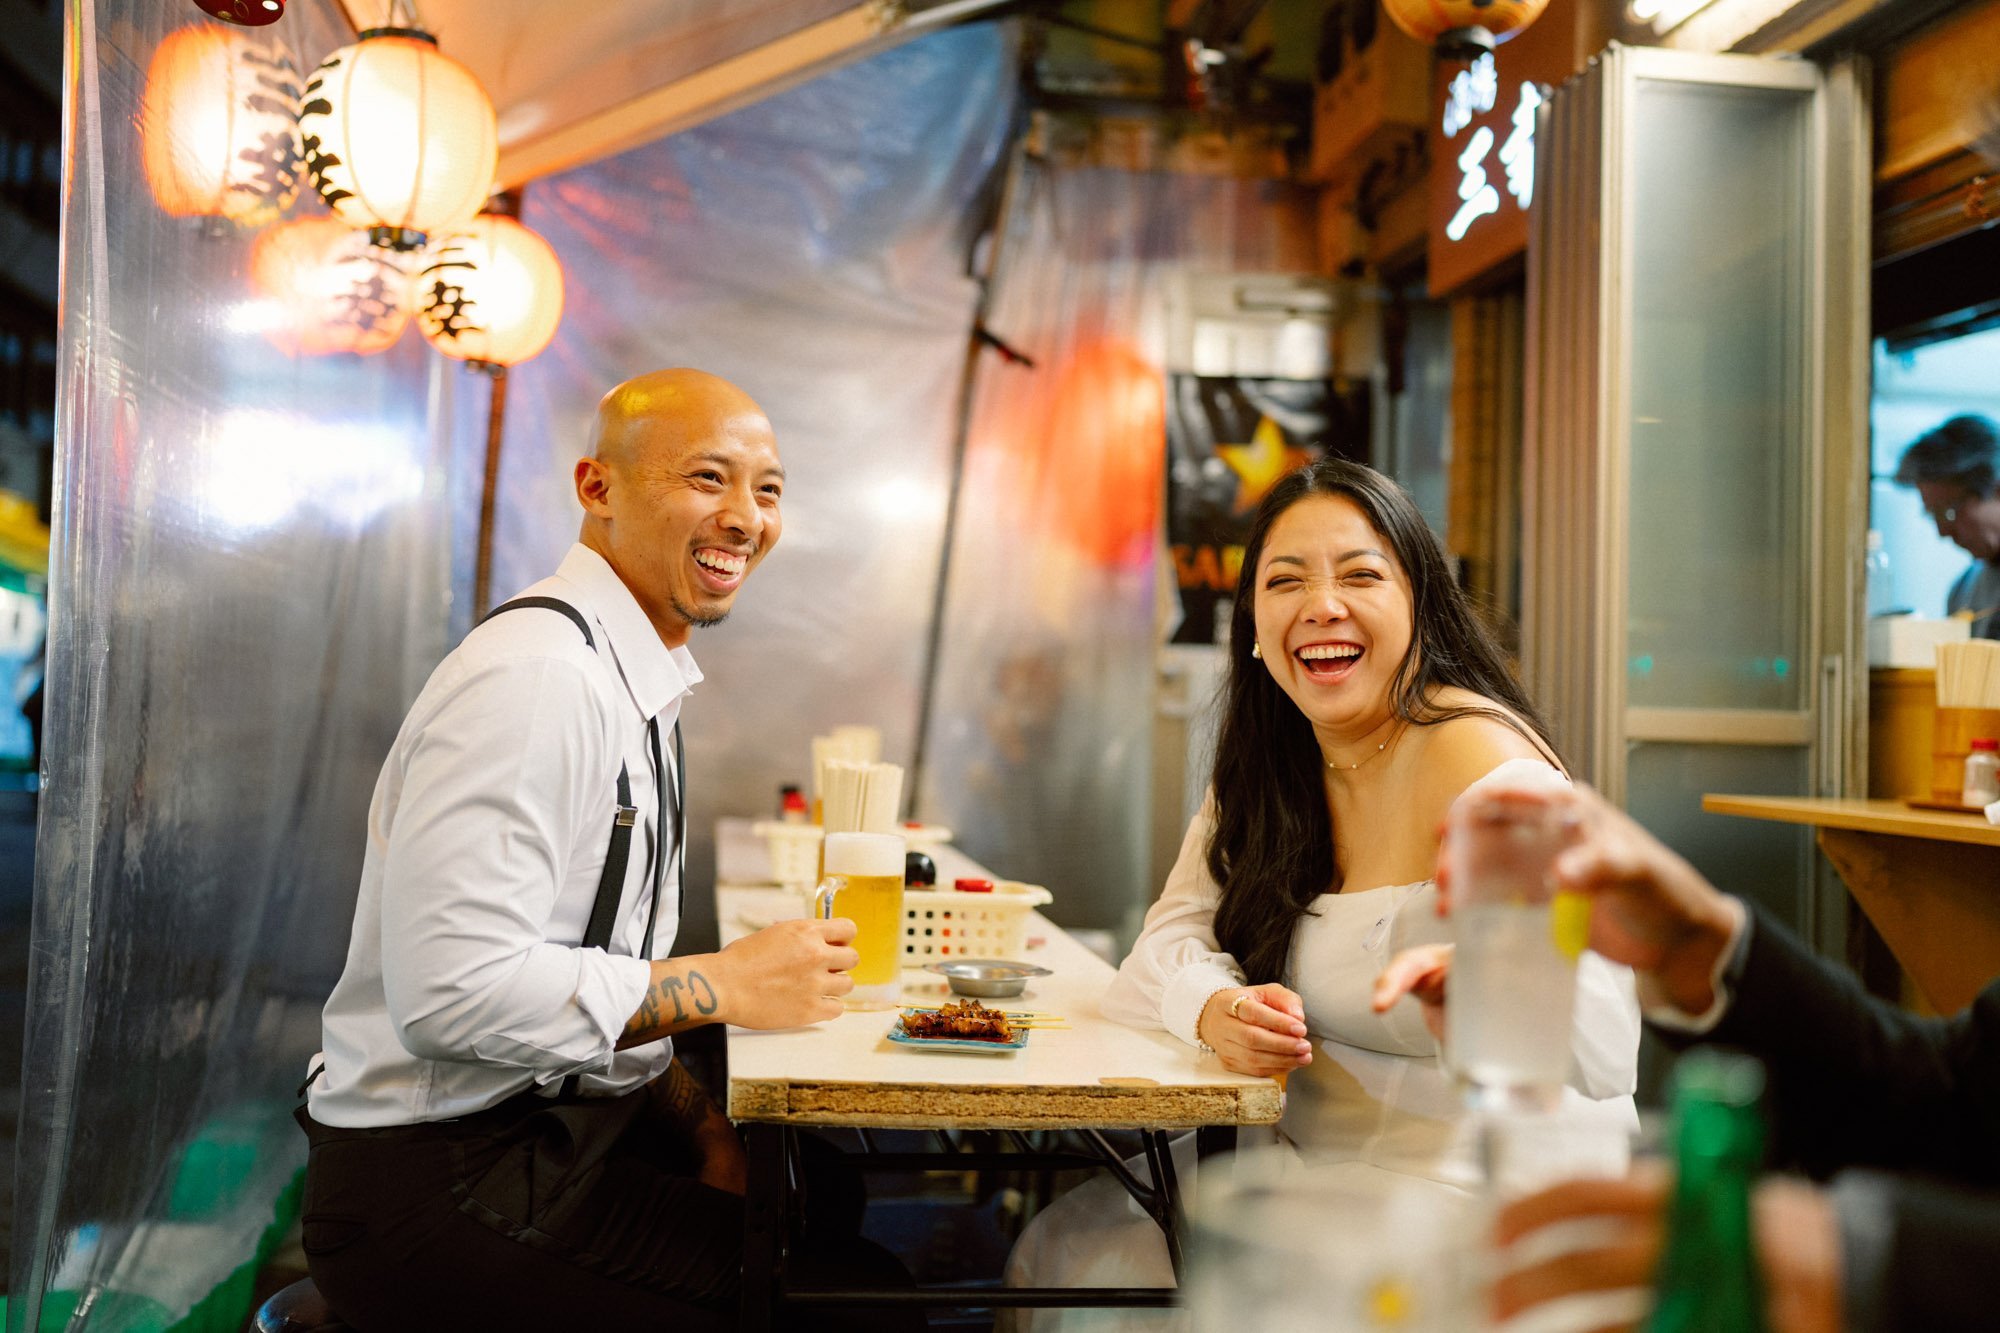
(325, 289)
(399, 138)
(491, 293)
(218, 128)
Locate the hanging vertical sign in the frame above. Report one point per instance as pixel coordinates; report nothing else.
(1483, 147)
(1230, 438)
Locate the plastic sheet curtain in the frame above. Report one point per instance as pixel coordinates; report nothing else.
(248, 582)
(810, 248)
(1040, 732)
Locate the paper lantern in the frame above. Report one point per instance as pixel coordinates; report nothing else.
(325, 289)
(399, 138)
(1463, 26)
(1098, 456)
(217, 126)
(250, 13)
(491, 294)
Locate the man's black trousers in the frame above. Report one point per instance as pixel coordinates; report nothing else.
(540, 1216)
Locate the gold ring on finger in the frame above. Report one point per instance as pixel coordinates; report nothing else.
(1236, 1004)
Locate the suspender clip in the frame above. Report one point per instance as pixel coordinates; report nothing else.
(628, 815)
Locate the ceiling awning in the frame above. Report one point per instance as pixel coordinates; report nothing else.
(576, 82)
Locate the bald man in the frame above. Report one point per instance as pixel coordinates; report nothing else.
(500, 1134)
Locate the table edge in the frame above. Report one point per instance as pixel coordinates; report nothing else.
(983, 1106)
(1892, 819)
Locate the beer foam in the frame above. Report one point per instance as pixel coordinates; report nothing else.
(864, 854)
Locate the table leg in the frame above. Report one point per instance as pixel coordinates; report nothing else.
(1933, 903)
(1169, 1213)
(764, 1222)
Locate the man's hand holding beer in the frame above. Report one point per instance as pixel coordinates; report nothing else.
(785, 975)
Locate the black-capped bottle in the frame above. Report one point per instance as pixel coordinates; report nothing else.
(1709, 1281)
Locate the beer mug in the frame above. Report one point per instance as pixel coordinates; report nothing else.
(863, 881)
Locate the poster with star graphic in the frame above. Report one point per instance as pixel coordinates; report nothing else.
(1229, 440)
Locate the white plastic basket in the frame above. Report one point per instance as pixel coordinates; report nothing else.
(794, 850)
(942, 924)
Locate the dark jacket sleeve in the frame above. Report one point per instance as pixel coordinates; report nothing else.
(1857, 1082)
(1927, 1256)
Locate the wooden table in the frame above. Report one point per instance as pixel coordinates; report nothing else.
(1094, 1075)
(1929, 880)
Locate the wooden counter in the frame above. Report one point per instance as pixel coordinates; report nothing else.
(1094, 1072)
(1929, 880)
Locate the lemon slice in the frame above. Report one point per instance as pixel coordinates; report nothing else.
(1391, 1303)
(1569, 923)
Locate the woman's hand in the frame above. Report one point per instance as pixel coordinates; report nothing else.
(1423, 972)
(1257, 1030)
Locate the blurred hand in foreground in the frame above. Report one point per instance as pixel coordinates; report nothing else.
(1649, 909)
(1797, 1238)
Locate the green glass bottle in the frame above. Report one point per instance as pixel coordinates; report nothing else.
(1708, 1280)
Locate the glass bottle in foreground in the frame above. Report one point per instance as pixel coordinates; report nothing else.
(1708, 1279)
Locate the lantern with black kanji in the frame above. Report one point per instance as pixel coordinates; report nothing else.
(490, 293)
(218, 129)
(399, 138)
(322, 288)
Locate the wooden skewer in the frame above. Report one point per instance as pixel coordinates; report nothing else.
(1011, 1013)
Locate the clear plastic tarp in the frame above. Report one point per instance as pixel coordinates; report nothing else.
(812, 249)
(1039, 752)
(248, 580)
(261, 553)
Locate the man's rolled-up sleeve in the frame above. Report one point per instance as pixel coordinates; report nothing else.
(497, 782)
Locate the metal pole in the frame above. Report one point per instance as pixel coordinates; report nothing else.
(975, 347)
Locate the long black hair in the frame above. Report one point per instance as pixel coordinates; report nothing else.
(1272, 849)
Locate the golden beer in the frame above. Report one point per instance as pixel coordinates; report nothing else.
(863, 881)
(874, 903)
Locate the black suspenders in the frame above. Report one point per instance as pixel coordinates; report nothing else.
(611, 884)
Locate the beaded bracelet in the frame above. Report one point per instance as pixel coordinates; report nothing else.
(1199, 1044)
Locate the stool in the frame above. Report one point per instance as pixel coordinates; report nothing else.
(299, 1308)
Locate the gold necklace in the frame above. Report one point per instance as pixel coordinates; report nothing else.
(1349, 768)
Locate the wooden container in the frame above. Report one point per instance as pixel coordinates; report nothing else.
(1902, 712)
(1952, 742)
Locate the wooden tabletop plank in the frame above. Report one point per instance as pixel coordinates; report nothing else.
(1091, 1072)
(1889, 817)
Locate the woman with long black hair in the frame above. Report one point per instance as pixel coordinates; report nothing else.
(1363, 697)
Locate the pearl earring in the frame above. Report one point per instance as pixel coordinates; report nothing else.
(1257, 651)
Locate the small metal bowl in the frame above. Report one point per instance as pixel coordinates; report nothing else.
(987, 978)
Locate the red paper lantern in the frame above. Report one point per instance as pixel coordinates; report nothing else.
(327, 289)
(1463, 26)
(249, 13)
(1102, 453)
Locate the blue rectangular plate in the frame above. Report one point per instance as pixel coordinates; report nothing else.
(959, 1044)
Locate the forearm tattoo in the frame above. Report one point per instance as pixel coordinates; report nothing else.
(666, 1004)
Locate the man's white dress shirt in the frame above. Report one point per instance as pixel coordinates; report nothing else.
(465, 983)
